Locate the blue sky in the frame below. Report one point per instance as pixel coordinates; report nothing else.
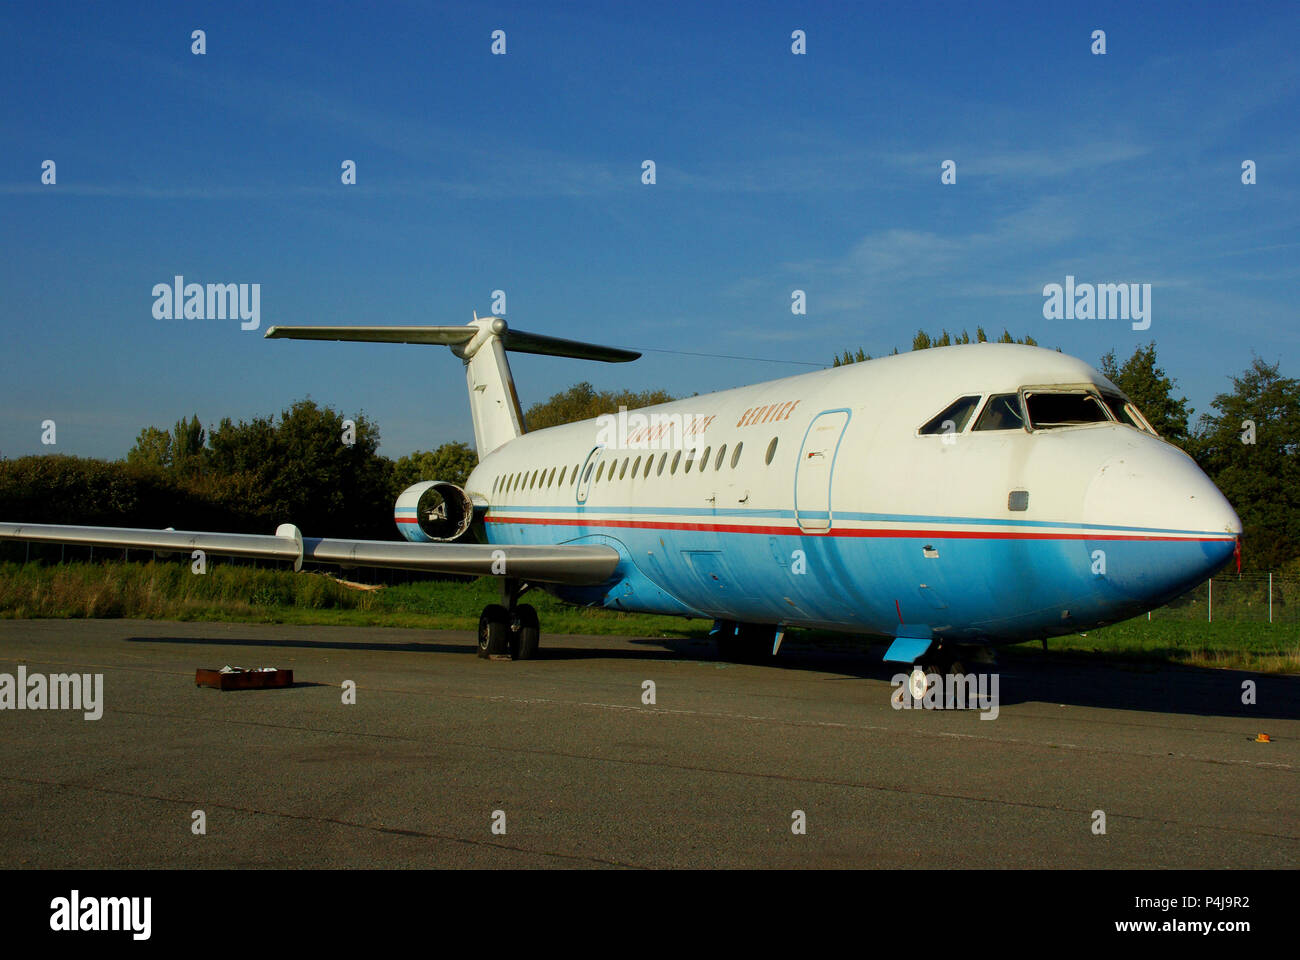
(522, 172)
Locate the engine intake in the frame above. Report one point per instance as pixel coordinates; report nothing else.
(433, 512)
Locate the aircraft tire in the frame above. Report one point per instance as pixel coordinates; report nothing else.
(493, 631)
(917, 685)
(524, 641)
(752, 644)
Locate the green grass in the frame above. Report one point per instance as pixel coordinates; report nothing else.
(169, 591)
(1232, 644)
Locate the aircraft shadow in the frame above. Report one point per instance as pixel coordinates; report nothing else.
(1037, 678)
(1033, 678)
(435, 647)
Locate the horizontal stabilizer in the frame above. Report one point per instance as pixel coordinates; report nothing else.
(520, 342)
(447, 336)
(572, 564)
(517, 341)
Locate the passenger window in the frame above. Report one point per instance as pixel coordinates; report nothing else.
(1048, 411)
(677, 458)
(624, 470)
(1002, 412)
(648, 461)
(958, 413)
(722, 455)
(586, 476)
(600, 470)
(663, 458)
(771, 452)
(704, 459)
(690, 458)
(573, 477)
(551, 479)
(563, 471)
(636, 466)
(735, 457)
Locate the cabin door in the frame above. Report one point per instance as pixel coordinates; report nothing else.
(588, 471)
(812, 476)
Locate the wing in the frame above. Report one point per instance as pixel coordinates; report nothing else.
(562, 563)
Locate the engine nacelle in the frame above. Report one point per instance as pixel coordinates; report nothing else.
(433, 512)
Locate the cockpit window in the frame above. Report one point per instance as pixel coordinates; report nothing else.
(955, 415)
(1125, 412)
(1002, 412)
(1048, 411)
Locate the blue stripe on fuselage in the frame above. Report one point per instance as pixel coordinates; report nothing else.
(978, 588)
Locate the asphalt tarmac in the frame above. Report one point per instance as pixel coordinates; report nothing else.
(585, 774)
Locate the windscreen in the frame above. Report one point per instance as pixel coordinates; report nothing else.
(1049, 411)
(1002, 412)
(955, 415)
(1124, 412)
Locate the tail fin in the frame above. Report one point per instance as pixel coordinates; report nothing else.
(481, 344)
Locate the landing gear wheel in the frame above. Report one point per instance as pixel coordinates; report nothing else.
(917, 683)
(494, 631)
(724, 635)
(525, 633)
(750, 643)
(728, 647)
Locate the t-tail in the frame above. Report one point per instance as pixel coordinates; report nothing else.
(482, 345)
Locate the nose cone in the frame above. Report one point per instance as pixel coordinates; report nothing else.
(1161, 489)
(1162, 522)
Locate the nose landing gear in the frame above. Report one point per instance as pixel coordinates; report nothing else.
(743, 642)
(938, 662)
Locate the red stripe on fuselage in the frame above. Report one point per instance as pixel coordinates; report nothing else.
(842, 531)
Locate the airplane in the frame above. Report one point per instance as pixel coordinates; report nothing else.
(951, 500)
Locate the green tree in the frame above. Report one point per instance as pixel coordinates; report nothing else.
(451, 462)
(188, 441)
(850, 357)
(303, 471)
(1260, 479)
(153, 449)
(924, 341)
(1152, 391)
(582, 402)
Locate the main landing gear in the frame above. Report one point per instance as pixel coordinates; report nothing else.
(743, 642)
(942, 661)
(509, 628)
